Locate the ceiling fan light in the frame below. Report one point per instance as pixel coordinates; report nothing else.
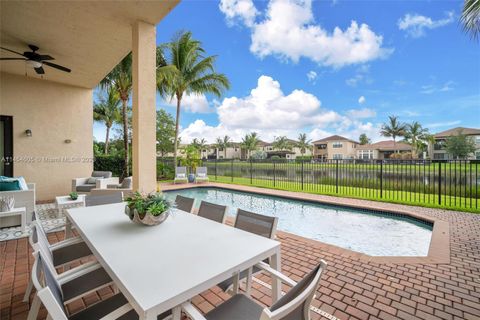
(33, 64)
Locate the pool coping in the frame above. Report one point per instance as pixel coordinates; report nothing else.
(438, 252)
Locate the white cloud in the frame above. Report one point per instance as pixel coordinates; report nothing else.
(312, 76)
(362, 75)
(195, 103)
(239, 11)
(431, 88)
(361, 100)
(289, 32)
(361, 113)
(270, 112)
(443, 124)
(415, 25)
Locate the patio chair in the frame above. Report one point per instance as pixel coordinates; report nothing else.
(258, 224)
(201, 175)
(97, 200)
(184, 203)
(126, 187)
(98, 179)
(62, 253)
(52, 295)
(180, 175)
(212, 211)
(294, 305)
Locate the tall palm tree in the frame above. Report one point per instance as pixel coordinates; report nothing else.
(187, 71)
(106, 110)
(199, 145)
(471, 17)
(223, 144)
(120, 78)
(303, 143)
(282, 143)
(416, 136)
(250, 142)
(393, 128)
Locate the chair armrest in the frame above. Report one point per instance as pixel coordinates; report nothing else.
(192, 312)
(79, 271)
(65, 243)
(77, 182)
(117, 313)
(103, 182)
(276, 274)
(31, 186)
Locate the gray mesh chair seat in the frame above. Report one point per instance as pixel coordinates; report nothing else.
(212, 211)
(294, 305)
(70, 253)
(184, 203)
(103, 199)
(258, 224)
(103, 308)
(85, 283)
(238, 307)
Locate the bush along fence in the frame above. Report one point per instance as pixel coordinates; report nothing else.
(445, 184)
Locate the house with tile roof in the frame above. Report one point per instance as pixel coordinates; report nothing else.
(381, 149)
(334, 147)
(437, 149)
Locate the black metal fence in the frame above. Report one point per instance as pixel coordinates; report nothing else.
(448, 184)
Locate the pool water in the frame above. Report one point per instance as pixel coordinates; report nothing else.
(369, 232)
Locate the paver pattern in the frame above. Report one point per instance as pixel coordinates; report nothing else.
(352, 288)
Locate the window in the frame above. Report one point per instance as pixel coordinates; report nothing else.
(477, 140)
(365, 154)
(321, 146)
(337, 156)
(477, 155)
(337, 145)
(439, 156)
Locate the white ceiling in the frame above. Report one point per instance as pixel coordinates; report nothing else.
(88, 37)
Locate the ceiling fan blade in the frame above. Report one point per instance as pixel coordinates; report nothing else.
(13, 59)
(43, 57)
(11, 51)
(56, 66)
(39, 70)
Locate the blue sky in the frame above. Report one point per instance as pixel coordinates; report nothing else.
(328, 67)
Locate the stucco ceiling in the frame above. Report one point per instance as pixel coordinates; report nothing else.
(86, 36)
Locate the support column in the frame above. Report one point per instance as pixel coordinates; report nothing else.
(144, 107)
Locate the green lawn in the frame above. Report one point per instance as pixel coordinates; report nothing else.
(393, 196)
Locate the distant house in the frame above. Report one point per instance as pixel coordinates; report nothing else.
(292, 154)
(334, 147)
(437, 149)
(381, 149)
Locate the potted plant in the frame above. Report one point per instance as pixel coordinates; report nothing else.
(73, 195)
(151, 209)
(191, 160)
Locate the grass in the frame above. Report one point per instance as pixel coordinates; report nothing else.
(391, 196)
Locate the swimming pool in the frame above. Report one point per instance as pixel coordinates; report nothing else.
(370, 232)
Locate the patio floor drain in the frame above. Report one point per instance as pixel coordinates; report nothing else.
(314, 309)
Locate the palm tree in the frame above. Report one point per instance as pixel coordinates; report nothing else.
(393, 129)
(120, 78)
(250, 142)
(471, 17)
(223, 144)
(187, 71)
(107, 111)
(282, 143)
(303, 143)
(416, 135)
(199, 145)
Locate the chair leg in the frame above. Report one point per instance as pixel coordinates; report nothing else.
(236, 283)
(26, 297)
(34, 308)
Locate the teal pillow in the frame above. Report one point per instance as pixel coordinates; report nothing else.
(9, 185)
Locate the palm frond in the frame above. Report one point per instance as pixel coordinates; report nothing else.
(471, 18)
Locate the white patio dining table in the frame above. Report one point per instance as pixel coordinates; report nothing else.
(158, 268)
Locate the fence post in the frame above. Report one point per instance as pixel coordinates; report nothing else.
(274, 173)
(231, 169)
(302, 174)
(336, 175)
(251, 173)
(216, 169)
(381, 178)
(439, 182)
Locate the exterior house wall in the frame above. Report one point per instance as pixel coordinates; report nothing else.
(346, 151)
(54, 113)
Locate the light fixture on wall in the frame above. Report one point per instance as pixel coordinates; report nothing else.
(28, 133)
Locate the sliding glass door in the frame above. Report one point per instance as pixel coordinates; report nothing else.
(6, 146)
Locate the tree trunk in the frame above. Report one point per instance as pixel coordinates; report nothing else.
(225, 152)
(107, 139)
(177, 121)
(125, 137)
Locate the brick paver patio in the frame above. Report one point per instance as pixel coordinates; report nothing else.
(352, 288)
